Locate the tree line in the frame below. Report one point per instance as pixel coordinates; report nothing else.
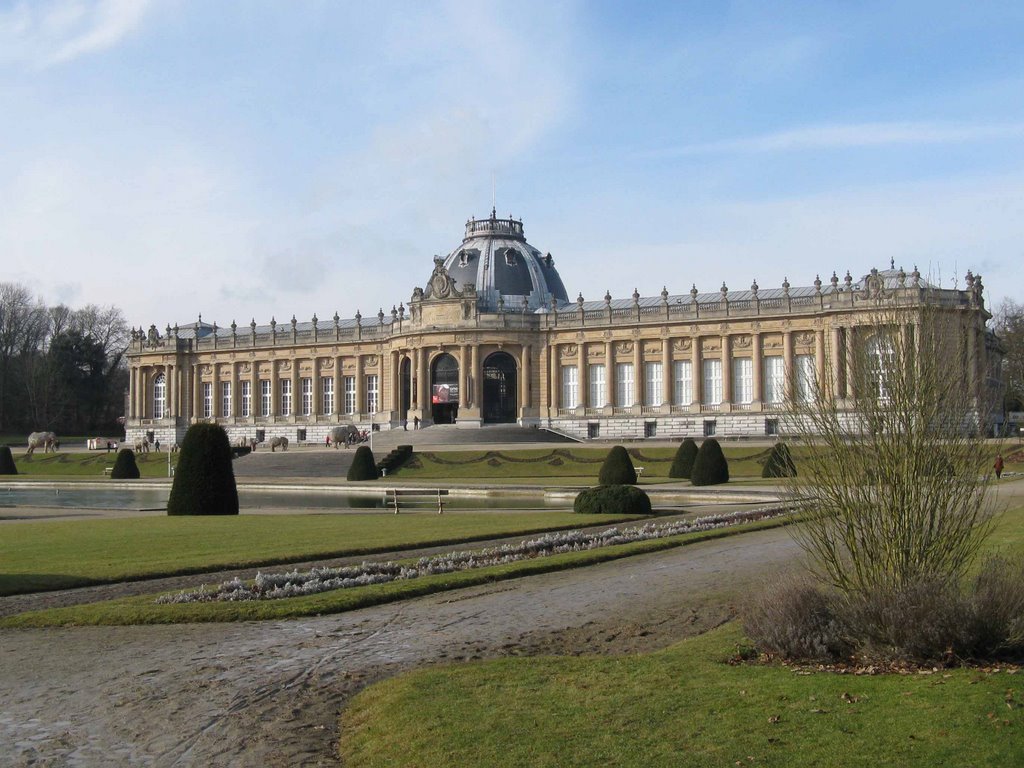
(1009, 326)
(61, 369)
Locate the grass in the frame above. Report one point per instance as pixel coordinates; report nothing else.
(91, 465)
(682, 706)
(143, 609)
(62, 554)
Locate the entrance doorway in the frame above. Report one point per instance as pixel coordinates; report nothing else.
(444, 389)
(499, 404)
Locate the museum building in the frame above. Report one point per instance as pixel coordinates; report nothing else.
(493, 338)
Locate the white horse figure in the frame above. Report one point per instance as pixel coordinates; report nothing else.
(46, 440)
(278, 442)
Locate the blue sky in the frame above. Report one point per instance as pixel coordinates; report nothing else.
(258, 159)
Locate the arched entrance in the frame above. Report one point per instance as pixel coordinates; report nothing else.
(499, 403)
(444, 389)
(404, 389)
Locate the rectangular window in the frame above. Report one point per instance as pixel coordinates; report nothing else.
(709, 427)
(350, 394)
(306, 387)
(593, 430)
(742, 380)
(300, 435)
(225, 399)
(265, 397)
(598, 387)
(207, 399)
(286, 397)
(372, 393)
(246, 398)
(771, 427)
(625, 385)
(805, 377)
(682, 382)
(327, 394)
(650, 429)
(570, 386)
(774, 379)
(712, 382)
(653, 384)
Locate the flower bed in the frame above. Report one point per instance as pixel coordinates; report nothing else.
(272, 586)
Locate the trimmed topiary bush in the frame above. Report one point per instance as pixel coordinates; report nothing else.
(617, 468)
(710, 466)
(779, 463)
(613, 500)
(7, 466)
(204, 481)
(125, 467)
(363, 467)
(682, 464)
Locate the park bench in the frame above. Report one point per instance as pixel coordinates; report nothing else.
(108, 471)
(414, 496)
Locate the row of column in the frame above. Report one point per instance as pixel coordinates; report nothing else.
(553, 359)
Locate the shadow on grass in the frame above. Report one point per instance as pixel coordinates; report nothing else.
(16, 584)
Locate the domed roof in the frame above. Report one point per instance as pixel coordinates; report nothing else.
(495, 257)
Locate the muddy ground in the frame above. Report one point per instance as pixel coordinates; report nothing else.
(268, 694)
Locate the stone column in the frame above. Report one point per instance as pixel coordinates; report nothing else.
(851, 364)
(609, 372)
(696, 374)
(275, 390)
(339, 396)
(666, 371)
(414, 385)
(837, 363)
(545, 385)
(236, 389)
(476, 378)
(314, 383)
(787, 364)
(394, 402)
(295, 386)
(638, 372)
(169, 409)
(360, 385)
(524, 380)
(197, 391)
(553, 376)
(133, 388)
(819, 358)
(254, 389)
(581, 375)
(757, 363)
(464, 376)
(726, 370)
(423, 386)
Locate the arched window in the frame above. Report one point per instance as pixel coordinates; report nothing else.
(159, 396)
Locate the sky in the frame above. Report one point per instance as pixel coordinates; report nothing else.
(249, 160)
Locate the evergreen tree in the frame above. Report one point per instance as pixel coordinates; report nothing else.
(363, 466)
(682, 464)
(617, 468)
(779, 463)
(7, 466)
(125, 467)
(204, 481)
(710, 466)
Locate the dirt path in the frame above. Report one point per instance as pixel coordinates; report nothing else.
(268, 694)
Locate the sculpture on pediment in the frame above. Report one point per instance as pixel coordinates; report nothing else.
(441, 285)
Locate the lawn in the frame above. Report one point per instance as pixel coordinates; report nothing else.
(80, 466)
(55, 555)
(683, 706)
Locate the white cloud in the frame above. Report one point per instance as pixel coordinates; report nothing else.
(45, 34)
(841, 136)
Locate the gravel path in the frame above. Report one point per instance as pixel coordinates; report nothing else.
(268, 694)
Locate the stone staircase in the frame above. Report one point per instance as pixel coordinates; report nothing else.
(441, 436)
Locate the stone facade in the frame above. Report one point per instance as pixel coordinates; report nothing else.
(669, 366)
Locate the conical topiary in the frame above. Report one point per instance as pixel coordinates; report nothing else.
(682, 464)
(710, 466)
(204, 481)
(7, 466)
(779, 463)
(125, 467)
(363, 466)
(617, 468)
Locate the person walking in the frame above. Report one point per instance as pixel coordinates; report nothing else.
(998, 466)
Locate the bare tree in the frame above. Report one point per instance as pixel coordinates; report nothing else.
(23, 330)
(1009, 325)
(895, 478)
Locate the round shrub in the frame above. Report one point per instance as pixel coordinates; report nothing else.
(363, 466)
(613, 500)
(710, 466)
(780, 462)
(617, 468)
(204, 481)
(125, 467)
(7, 461)
(682, 464)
